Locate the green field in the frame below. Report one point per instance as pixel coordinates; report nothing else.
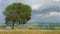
(33, 27)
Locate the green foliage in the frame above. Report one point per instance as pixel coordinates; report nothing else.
(30, 28)
(51, 28)
(17, 12)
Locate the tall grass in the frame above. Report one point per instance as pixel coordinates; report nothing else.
(29, 31)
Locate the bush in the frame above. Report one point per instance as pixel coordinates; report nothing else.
(30, 28)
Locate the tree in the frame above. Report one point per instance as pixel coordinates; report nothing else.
(17, 13)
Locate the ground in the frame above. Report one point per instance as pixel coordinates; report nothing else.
(20, 31)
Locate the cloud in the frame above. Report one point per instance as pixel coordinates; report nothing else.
(53, 14)
(56, 0)
(50, 14)
(47, 3)
(49, 11)
(41, 8)
(35, 7)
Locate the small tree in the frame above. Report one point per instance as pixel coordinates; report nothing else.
(17, 13)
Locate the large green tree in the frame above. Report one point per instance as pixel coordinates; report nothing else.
(17, 13)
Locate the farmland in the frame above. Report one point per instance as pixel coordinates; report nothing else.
(20, 31)
(31, 29)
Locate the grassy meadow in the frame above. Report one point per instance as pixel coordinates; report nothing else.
(20, 31)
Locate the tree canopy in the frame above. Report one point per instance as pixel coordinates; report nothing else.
(17, 13)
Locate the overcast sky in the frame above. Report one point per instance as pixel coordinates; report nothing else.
(42, 10)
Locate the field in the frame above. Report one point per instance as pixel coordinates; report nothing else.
(18, 31)
(31, 29)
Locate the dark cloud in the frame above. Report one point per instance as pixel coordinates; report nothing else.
(46, 10)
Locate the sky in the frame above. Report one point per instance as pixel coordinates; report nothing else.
(42, 10)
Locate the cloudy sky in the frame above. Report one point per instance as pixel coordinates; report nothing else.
(42, 10)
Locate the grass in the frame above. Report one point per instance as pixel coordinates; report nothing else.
(19, 31)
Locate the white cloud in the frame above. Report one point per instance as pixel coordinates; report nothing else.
(50, 14)
(56, 0)
(54, 14)
(44, 3)
(36, 7)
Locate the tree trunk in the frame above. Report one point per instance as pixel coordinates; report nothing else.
(12, 25)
